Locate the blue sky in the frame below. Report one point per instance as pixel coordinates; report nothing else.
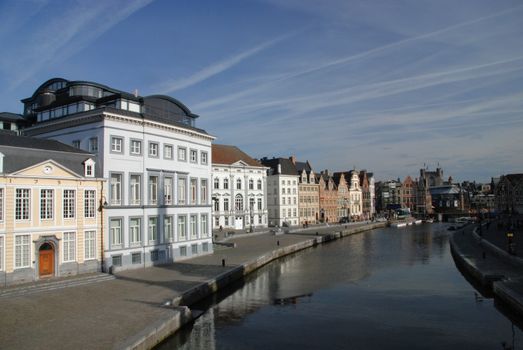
(384, 85)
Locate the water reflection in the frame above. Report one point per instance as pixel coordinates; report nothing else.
(391, 288)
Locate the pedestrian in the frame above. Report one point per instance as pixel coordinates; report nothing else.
(221, 228)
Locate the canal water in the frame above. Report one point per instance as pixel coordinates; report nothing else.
(385, 289)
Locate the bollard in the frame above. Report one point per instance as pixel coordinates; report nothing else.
(277, 243)
(223, 262)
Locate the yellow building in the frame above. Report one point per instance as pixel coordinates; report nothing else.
(50, 223)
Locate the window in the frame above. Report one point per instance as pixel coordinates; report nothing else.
(183, 251)
(194, 249)
(76, 143)
(90, 245)
(22, 204)
(136, 258)
(168, 151)
(153, 150)
(259, 185)
(153, 189)
(1, 253)
(167, 190)
(115, 230)
(194, 226)
(182, 154)
(225, 184)
(1, 204)
(154, 255)
(181, 190)
(194, 185)
(153, 229)
(203, 191)
(216, 183)
(182, 229)
(251, 184)
(89, 203)
(116, 144)
(135, 191)
(46, 204)
(135, 231)
(226, 221)
(251, 203)
(226, 204)
(136, 147)
(168, 228)
(69, 204)
(204, 159)
(117, 260)
(205, 247)
(194, 156)
(116, 188)
(217, 205)
(204, 226)
(89, 170)
(69, 246)
(260, 206)
(238, 201)
(93, 144)
(22, 251)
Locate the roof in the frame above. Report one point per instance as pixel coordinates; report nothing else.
(440, 190)
(225, 154)
(11, 116)
(301, 166)
(21, 152)
(514, 178)
(287, 167)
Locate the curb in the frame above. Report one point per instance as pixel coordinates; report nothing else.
(497, 251)
(159, 331)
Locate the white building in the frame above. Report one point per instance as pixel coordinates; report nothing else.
(239, 189)
(355, 195)
(282, 191)
(157, 163)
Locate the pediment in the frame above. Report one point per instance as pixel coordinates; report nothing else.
(48, 168)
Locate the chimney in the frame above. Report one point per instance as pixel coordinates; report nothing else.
(293, 159)
(279, 168)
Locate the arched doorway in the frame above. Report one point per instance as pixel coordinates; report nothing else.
(46, 260)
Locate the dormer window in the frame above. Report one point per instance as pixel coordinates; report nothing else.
(89, 168)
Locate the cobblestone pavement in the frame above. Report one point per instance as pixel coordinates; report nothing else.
(101, 315)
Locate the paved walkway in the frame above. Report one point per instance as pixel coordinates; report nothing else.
(496, 233)
(493, 271)
(105, 314)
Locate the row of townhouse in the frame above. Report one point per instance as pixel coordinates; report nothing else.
(154, 168)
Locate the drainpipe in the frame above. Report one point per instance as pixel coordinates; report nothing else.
(102, 228)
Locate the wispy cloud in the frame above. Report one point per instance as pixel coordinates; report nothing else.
(75, 27)
(217, 67)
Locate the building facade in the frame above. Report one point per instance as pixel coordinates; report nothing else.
(239, 189)
(509, 194)
(282, 192)
(50, 222)
(328, 197)
(156, 161)
(308, 193)
(408, 194)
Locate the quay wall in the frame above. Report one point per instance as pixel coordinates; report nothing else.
(159, 331)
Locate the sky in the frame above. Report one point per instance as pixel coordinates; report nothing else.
(387, 86)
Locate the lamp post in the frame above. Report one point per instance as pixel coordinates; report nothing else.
(102, 205)
(251, 213)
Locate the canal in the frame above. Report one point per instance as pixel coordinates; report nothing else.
(385, 289)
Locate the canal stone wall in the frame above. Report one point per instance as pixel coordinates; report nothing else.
(156, 333)
(492, 268)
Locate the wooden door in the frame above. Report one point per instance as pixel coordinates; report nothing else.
(46, 262)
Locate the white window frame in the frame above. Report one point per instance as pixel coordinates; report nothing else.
(22, 204)
(135, 230)
(46, 204)
(117, 144)
(204, 223)
(193, 191)
(152, 189)
(2, 204)
(168, 182)
(168, 228)
(135, 147)
(193, 156)
(22, 251)
(152, 230)
(182, 154)
(168, 151)
(116, 232)
(154, 149)
(69, 246)
(89, 204)
(193, 225)
(93, 144)
(68, 204)
(203, 191)
(115, 189)
(182, 190)
(204, 158)
(182, 227)
(135, 189)
(2, 253)
(89, 244)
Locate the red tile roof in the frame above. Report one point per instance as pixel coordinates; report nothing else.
(225, 154)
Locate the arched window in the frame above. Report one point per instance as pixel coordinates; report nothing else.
(251, 184)
(216, 183)
(225, 184)
(238, 202)
(259, 184)
(239, 184)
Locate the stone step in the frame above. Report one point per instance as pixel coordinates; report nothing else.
(50, 285)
